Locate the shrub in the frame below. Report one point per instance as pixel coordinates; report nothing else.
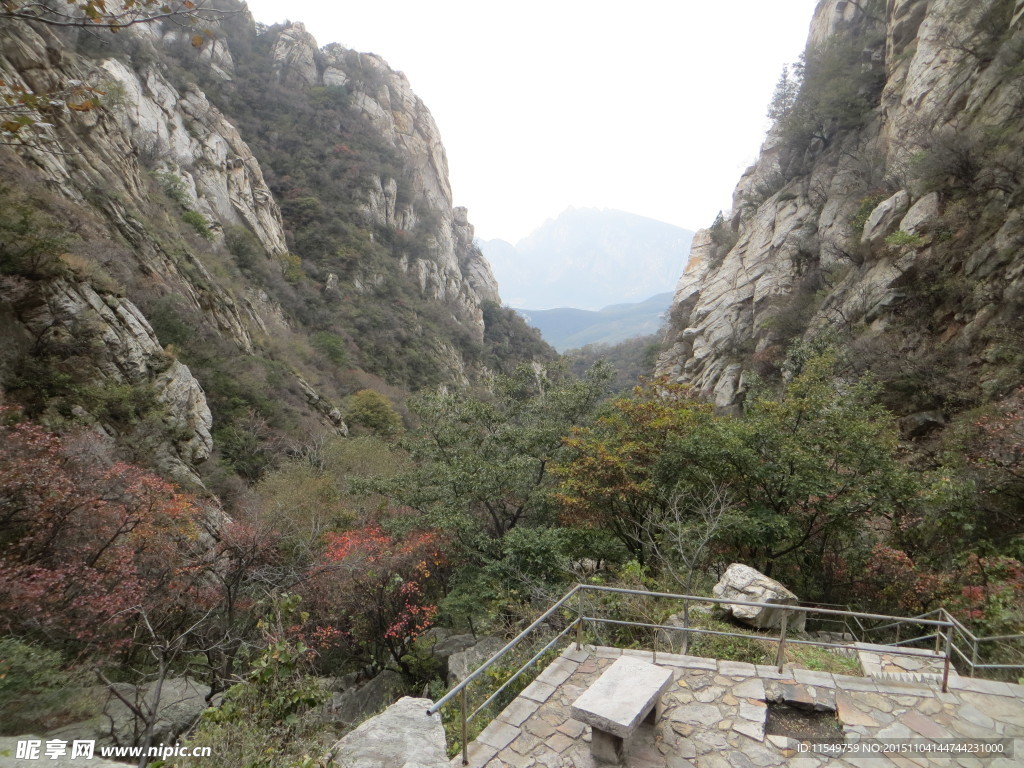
(374, 412)
(865, 207)
(332, 346)
(754, 650)
(198, 222)
(291, 267)
(243, 245)
(838, 91)
(900, 239)
(264, 721)
(33, 688)
(174, 187)
(724, 236)
(30, 240)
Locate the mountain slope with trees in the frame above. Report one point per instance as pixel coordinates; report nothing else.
(194, 290)
(224, 236)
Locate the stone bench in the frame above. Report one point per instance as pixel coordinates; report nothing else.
(628, 692)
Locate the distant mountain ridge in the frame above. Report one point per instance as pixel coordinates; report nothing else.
(589, 258)
(567, 328)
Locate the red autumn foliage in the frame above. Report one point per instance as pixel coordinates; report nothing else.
(85, 545)
(374, 586)
(986, 592)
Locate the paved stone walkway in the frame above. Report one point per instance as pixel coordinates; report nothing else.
(714, 716)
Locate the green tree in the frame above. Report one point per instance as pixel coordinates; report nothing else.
(374, 412)
(483, 461)
(786, 90)
(614, 476)
(832, 89)
(806, 471)
(809, 469)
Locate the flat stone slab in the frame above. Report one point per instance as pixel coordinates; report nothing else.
(623, 696)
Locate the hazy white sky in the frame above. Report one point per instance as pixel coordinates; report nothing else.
(653, 107)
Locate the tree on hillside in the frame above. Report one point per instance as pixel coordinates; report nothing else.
(84, 544)
(807, 471)
(614, 476)
(371, 593)
(484, 461)
(373, 411)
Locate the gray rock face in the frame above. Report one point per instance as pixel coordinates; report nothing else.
(151, 133)
(181, 702)
(922, 214)
(453, 271)
(741, 582)
(464, 663)
(129, 354)
(295, 55)
(402, 736)
(883, 220)
(937, 94)
(356, 703)
(922, 423)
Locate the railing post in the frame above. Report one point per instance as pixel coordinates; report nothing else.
(949, 658)
(579, 618)
(686, 627)
(780, 658)
(465, 727)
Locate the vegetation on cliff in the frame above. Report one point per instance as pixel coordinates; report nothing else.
(860, 449)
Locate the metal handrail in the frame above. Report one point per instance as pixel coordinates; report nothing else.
(523, 668)
(509, 646)
(777, 606)
(944, 628)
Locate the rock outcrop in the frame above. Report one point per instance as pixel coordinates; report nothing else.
(183, 274)
(746, 584)
(356, 703)
(116, 345)
(402, 736)
(895, 228)
(462, 664)
(181, 701)
(451, 269)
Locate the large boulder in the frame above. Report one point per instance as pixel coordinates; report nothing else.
(741, 582)
(402, 736)
(442, 644)
(182, 701)
(359, 702)
(462, 664)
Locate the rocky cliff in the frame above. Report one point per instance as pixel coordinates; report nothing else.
(884, 213)
(207, 241)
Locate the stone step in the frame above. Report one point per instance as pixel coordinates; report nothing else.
(910, 677)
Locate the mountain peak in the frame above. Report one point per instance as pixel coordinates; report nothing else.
(589, 258)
